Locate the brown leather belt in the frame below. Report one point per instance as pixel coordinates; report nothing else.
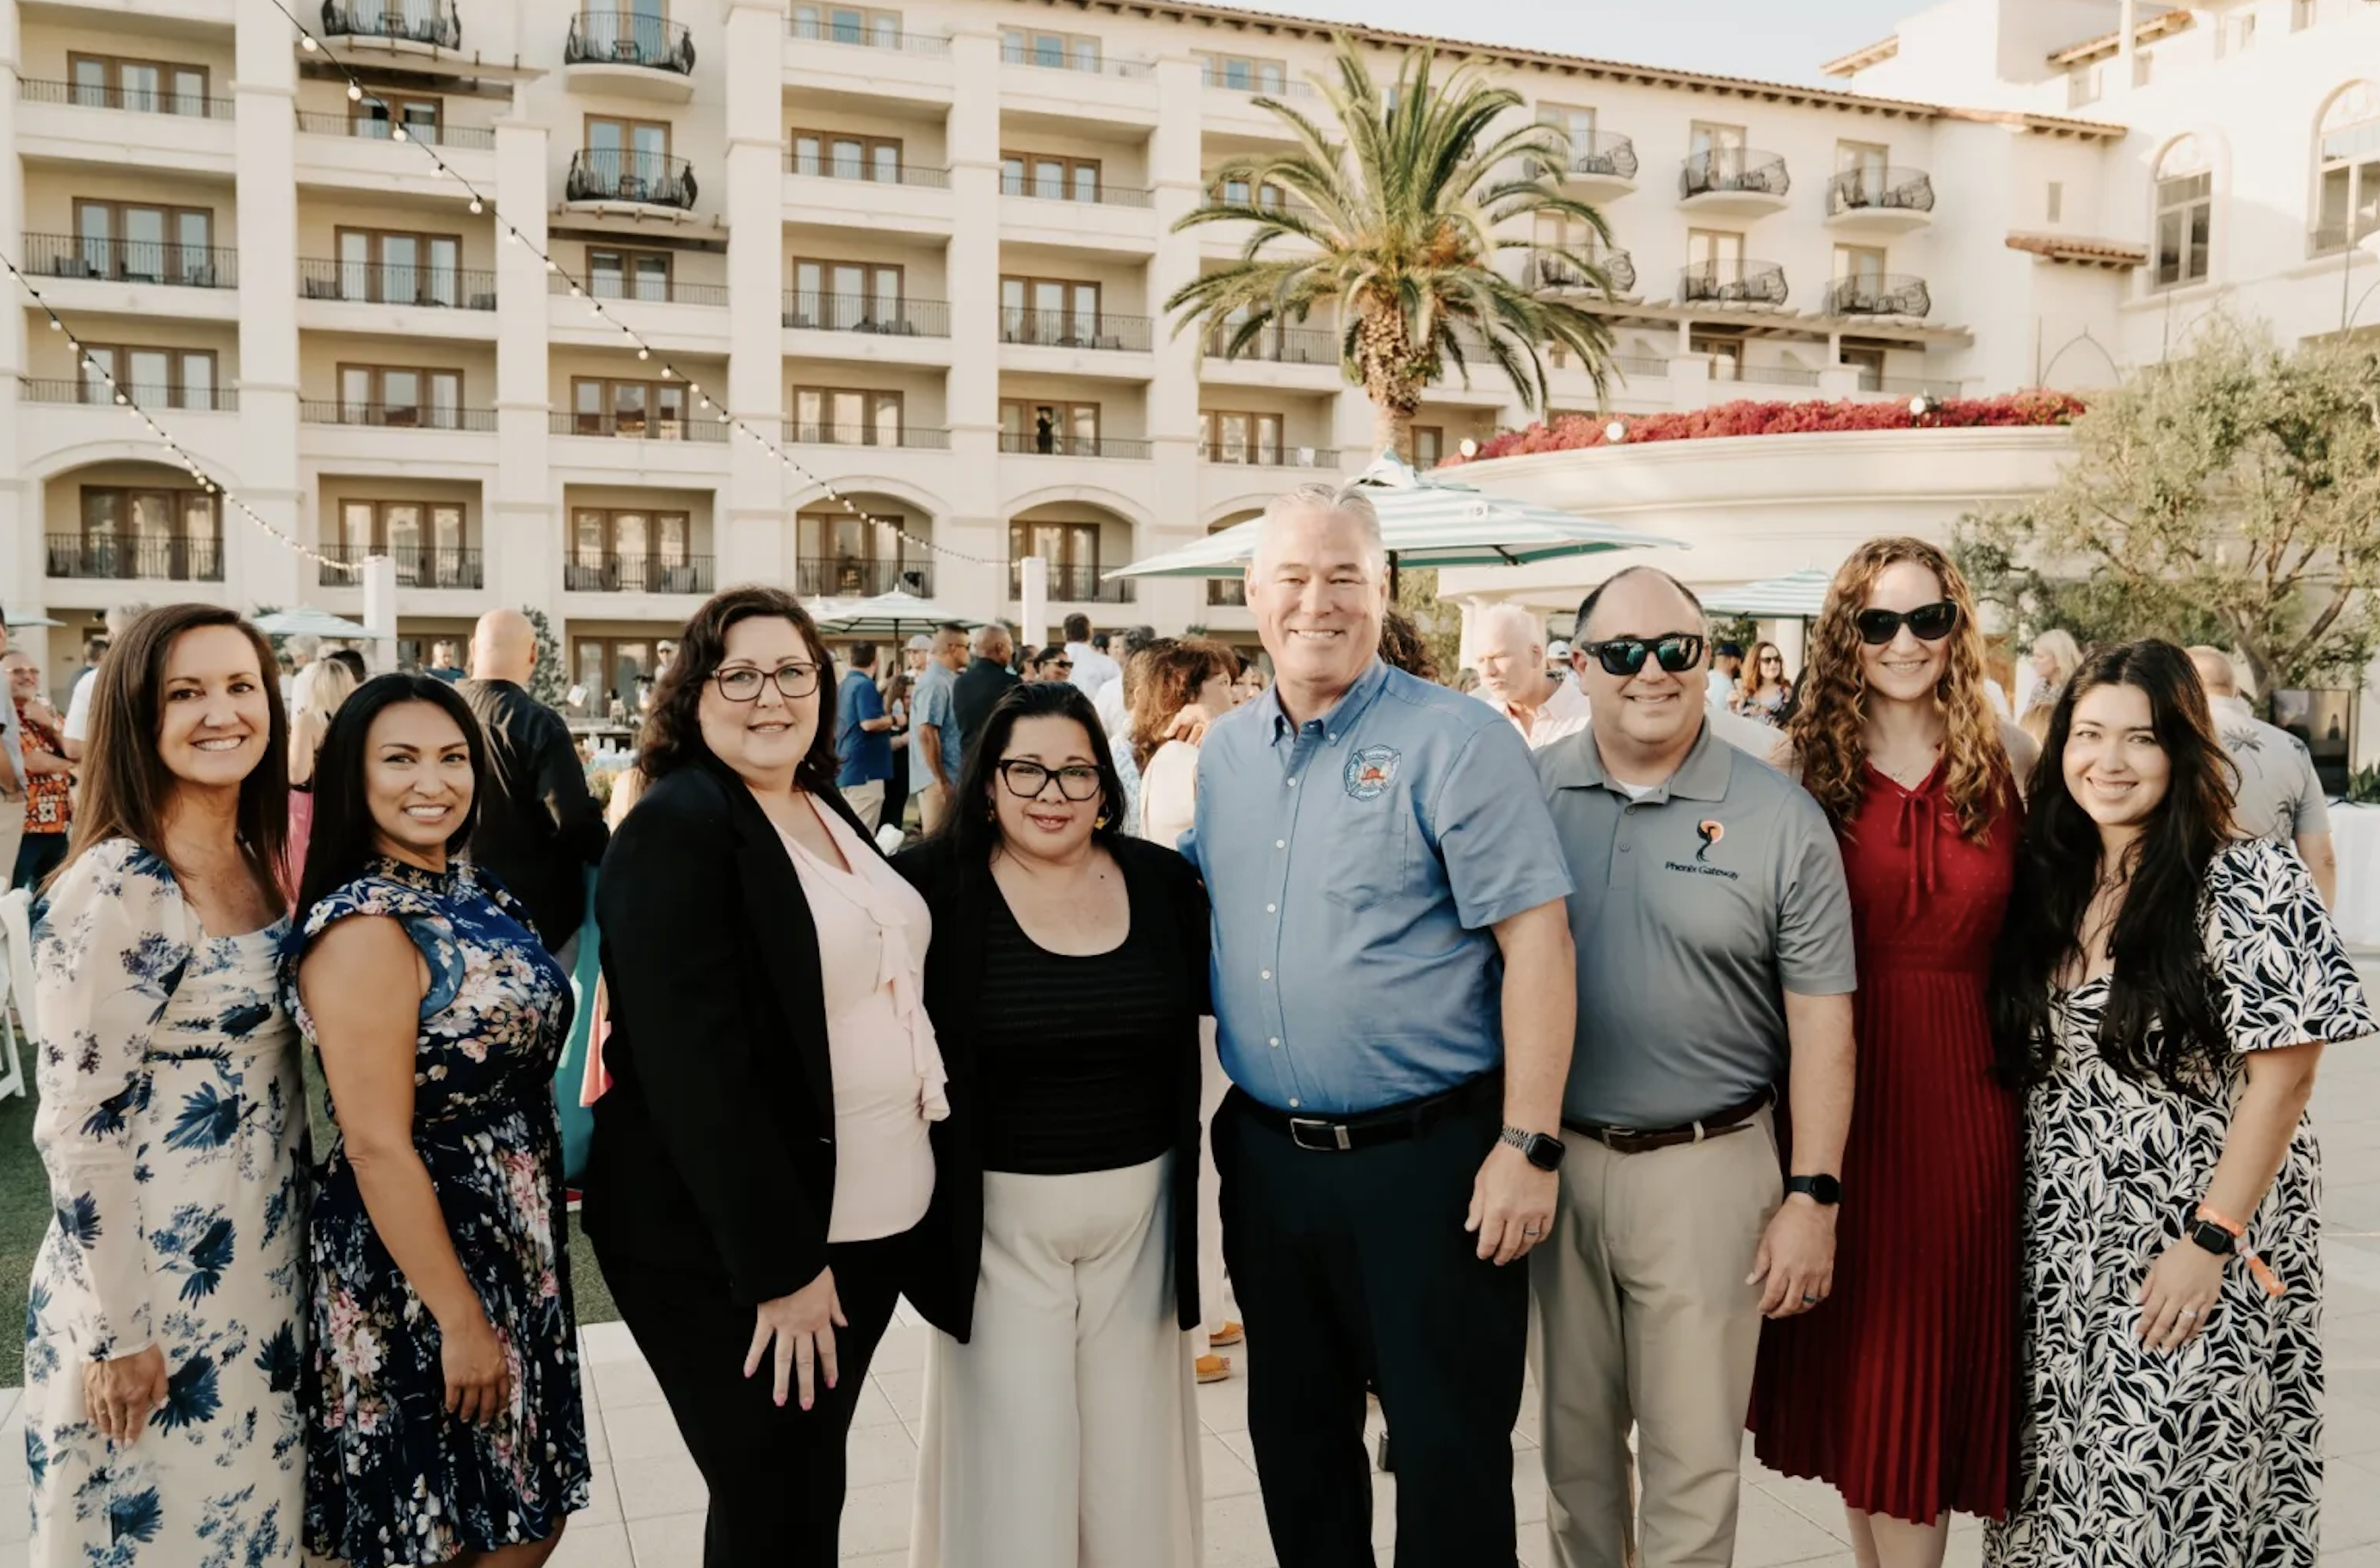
(1640, 1140)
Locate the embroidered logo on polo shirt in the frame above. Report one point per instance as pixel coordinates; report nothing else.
(1371, 770)
(1710, 830)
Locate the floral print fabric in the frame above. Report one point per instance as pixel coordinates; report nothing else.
(392, 1478)
(171, 1125)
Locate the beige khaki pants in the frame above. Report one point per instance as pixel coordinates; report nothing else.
(933, 808)
(12, 834)
(1643, 1318)
(866, 802)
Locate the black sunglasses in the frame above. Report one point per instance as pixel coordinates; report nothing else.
(1932, 623)
(1625, 655)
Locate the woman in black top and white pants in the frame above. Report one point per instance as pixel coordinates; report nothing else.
(1066, 980)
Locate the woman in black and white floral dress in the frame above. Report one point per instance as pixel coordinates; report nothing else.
(2165, 993)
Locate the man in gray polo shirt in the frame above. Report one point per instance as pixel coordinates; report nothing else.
(1713, 938)
(2279, 795)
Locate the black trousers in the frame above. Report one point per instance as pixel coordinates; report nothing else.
(775, 1475)
(897, 788)
(1355, 1266)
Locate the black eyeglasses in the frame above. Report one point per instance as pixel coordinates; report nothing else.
(1932, 623)
(743, 683)
(1025, 781)
(1625, 655)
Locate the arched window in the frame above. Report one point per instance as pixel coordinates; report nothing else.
(2185, 216)
(2347, 161)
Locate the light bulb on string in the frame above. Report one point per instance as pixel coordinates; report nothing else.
(306, 43)
(476, 208)
(644, 353)
(397, 133)
(57, 325)
(355, 94)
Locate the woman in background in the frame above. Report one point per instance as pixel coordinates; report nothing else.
(1249, 684)
(317, 692)
(2055, 659)
(1401, 645)
(894, 690)
(1763, 692)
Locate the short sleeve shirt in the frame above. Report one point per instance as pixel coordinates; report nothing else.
(1698, 906)
(77, 725)
(2280, 795)
(933, 706)
(1355, 865)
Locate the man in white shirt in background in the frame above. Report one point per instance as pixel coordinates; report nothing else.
(1510, 652)
(1110, 701)
(2279, 795)
(1093, 669)
(77, 725)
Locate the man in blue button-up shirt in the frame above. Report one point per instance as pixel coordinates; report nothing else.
(1394, 986)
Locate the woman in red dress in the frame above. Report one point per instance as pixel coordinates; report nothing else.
(1900, 1390)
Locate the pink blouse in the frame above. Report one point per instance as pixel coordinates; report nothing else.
(873, 929)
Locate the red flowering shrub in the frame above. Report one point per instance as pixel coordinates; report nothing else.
(2006, 410)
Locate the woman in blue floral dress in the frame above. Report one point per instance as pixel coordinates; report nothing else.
(163, 1329)
(442, 1388)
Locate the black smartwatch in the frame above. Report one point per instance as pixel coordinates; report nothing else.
(2214, 1239)
(1539, 1149)
(1824, 1190)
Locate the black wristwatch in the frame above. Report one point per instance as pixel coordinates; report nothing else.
(2214, 1239)
(1539, 1148)
(1824, 1190)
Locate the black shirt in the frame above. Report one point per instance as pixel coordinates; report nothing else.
(973, 695)
(539, 828)
(1078, 1071)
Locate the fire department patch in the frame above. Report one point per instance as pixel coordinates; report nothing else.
(1371, 770)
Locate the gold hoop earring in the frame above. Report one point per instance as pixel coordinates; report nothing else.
(1100, 821)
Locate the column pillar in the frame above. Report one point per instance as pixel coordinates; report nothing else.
(23, 565)
(521, 530)
(258, 569)
(976, 524)
(754, 535)
(1176, 159)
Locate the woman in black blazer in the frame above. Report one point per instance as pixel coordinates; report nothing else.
(1066, 981)
(761, 1162)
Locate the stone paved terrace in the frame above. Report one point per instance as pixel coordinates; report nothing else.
(648, 1505)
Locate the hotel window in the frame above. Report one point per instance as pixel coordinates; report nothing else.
(2185, 216)
(1861, 165)
(400, 395)
(846, 416)
(626, 159)
(1577, 124)
(1859, 262)
(138, 242)
(846, 296)
(841, 155)
(1049, 427)
(1868, 360)
(1241, 438)
(1055, 311)
(625, 549)
(1049, 176)
(1070, 548)
(848, 24)
(1717, 152)
(1053, 50)
(606, 406)
(1240, 193)
(2083, 83)
(2302, 14)
(1714, 257)
(147, 86)
(424, 537)
(1242, 73)
(843, 552)
(386, 268)
(2347, 151)
(627, 275)
(374, 115)
(157, 378)
(1725, 354)
(130, 518)
(2235, 35)
(1426, 444)
(609, 675)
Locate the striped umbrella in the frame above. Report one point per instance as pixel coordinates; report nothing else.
(1796, 596)
(886, 616)
(1426, 520)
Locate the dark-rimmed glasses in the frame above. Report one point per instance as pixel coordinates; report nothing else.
(743, 683)
(1077, 781)
(1674, 652)
(1932, 623)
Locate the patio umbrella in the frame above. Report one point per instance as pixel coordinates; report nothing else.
(1426, 520)
(1796, 596)
(887, 615)
(306, 621)
(13, 621)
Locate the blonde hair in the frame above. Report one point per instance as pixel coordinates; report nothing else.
(2063, 652)
(627, 789)
(314, 697)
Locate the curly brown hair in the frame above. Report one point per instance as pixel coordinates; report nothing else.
(1401, 645)
(1829, 727)
(1168, 683)
(672, 736)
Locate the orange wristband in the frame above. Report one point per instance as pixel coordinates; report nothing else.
(2258, 1269)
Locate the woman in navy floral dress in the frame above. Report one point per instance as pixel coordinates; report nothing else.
(444, 1382)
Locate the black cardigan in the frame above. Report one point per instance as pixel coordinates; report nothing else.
(713, 1150)
(1169, 902)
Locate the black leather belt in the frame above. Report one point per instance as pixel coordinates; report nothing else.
(1641, 1140)
(1369, 1129)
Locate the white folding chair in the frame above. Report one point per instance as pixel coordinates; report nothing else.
(16, 984)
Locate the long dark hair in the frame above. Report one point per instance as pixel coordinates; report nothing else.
(970, 827)
(344, 840)
(2161, 977)
(126, 788)
(673, 725)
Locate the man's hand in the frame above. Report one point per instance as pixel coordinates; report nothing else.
(1796, 1257)
(1512, 1205)
(1190, 724)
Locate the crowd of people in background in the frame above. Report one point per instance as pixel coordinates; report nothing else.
(1822, 1052)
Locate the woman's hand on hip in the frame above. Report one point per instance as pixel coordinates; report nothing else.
(2183, 1285)
(121, 1395)
(479, 1375)
(802, 1326)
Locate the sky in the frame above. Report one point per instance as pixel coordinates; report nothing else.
(1772, 39)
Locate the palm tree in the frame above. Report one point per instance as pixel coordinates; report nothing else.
(1398, 221)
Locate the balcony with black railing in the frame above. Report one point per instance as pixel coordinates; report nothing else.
(640, 288)
(887, 170)
(1600, 159)
(1099, 193)
(1074, 584)
(1231, 75)
(1264, 454)
(1551, 269)
(608, 572)
(616, 174)
(846, 577)
(131, 260)
(131, 100)
(878, 31)
(1732, 282)
(418, 565)
(432, 22)
(1227, 590)
(1058, 444)
(628, 38)
(1075, 329)
(1878, 294)
(1880, 200)
(365, 127)
(1734, 180)
(387, 282)
(915, 438)
(1277, 346)
(702, 424)
(809, 310)
(167, 559)
(395, 416)
(93, 391)
(1078, 56)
